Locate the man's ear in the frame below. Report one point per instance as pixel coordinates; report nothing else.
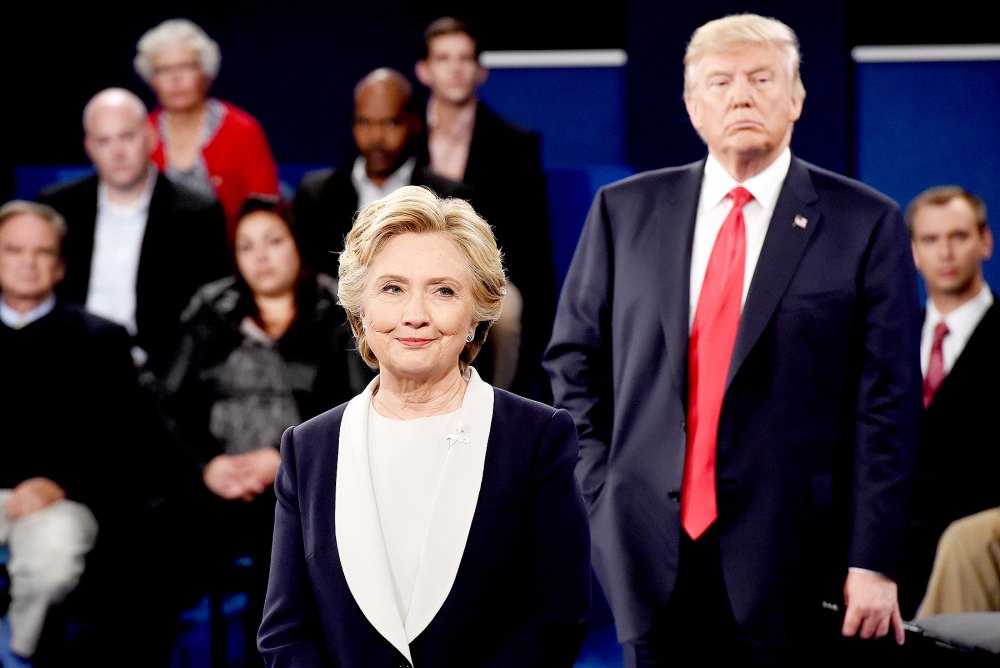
(423, 75)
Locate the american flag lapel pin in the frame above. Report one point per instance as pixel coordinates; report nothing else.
(800, 222)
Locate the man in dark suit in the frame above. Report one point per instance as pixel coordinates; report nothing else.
(958, 459)
(139, 245)
(67, 403)
(736, 511)
(468, 141)
(386, 127)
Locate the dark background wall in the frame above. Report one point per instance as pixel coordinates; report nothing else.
(293, 64)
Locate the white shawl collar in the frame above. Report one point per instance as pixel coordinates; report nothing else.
(359, 534)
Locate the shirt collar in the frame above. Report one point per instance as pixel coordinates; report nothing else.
(963, 320)
(139, 205)
(15, 319)
(764, 186)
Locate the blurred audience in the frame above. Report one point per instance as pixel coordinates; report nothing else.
(386, 129)
(958, 459)
(205, 143)
(139, 244)
(260, 351)
(68, 396)
(468, 141)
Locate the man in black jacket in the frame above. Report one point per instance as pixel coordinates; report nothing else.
(139, 244)
(468, 141)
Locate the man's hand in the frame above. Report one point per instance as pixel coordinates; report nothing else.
(872, 606)
(32, 495)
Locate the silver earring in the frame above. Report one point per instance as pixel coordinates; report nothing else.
(468, 339)
(364, 327)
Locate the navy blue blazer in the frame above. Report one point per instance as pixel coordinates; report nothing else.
(818, 427)
(521, 596)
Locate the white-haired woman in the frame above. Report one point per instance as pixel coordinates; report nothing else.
(205, 142)
(432, 520)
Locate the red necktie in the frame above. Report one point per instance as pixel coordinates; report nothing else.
(716, 319)
(935, 365)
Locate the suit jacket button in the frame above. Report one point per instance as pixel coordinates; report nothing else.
(684, 425)
(674, 495)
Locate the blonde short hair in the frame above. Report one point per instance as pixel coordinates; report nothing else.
(177, 31)
(417, 209)
(739, 30)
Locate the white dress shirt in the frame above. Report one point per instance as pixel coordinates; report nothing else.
(115, 263)
(369, 191)
(713, 206)
(961, 323)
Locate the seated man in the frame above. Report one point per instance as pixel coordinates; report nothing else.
(140, 244)
(68, 393)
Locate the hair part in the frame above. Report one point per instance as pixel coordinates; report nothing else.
(740, 30)
(942, 195)
(416, 209)
(23, 207)
(180, 32)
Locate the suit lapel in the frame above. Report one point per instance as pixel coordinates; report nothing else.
(674, 249)
(794, 221)
(358, 530)
(453, 509)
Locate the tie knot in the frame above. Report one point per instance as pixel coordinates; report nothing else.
(940, 331)
(740, 196)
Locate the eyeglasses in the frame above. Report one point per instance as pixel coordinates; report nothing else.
(179, 68)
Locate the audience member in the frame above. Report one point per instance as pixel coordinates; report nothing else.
(261, 350)
(958, 459)
(468, 141)
(206, 143)
(386, 128)
(139, 244)
(966, 573)
(745, 380)
(69, 392)
(432, 520)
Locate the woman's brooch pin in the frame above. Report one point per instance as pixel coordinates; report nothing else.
(457, 436)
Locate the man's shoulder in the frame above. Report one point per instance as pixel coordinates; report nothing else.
(62, 192)
(315, 181)
(488, 119)
(835, 185)
(76, 318)
(441, 185)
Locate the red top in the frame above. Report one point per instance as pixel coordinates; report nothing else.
(238, 159)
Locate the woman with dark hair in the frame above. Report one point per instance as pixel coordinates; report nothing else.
(259, 351)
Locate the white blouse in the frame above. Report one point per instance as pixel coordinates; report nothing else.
(406, 458)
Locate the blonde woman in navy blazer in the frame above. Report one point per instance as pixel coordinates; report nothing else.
(495, 570)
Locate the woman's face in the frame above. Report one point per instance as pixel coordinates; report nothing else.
(418, 307)
(266, 255)
(177, 79)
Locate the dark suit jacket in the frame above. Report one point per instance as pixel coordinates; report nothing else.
(959, 456)
(505, 169)
(521, 594)
(184, 246)
(326, 203)
(817, 433)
